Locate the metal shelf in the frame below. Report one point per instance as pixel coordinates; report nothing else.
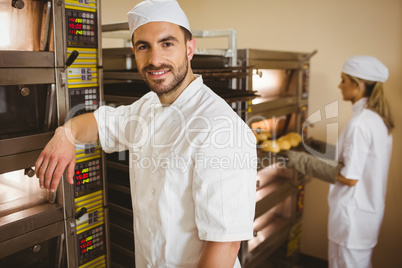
(121, 75)
(26, 59)
(272, 195)
(120, 31)
(267, 241)
(28, 220)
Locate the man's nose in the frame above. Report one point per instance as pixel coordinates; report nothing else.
(155, 57)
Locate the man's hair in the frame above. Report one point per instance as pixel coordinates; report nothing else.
(187, 35)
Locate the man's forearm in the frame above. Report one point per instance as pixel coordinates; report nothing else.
(82, 129)
(59, 153)
(219, 254)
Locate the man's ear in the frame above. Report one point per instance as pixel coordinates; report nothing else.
(132, 48)
(190, 49)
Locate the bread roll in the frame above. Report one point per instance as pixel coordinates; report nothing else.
(283, 143)
(262, 137)
(270, 146)
(293, 138)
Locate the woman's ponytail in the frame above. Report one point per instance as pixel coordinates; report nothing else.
(377, 101)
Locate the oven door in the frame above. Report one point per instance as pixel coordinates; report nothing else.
(28, 113)
(31, 224)
(42, 247)
(26, 25)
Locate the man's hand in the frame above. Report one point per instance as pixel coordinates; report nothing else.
(58, 155)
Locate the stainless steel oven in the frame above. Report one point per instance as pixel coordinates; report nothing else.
(26, 25)
(28, 115)
(28, 84)
(31, 223)
(32, 228)
(49, 63)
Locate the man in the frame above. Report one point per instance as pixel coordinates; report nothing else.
(191, 157)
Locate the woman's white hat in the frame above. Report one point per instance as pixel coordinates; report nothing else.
(366, 67)
(156, 10)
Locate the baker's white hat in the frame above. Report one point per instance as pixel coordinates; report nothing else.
(366, 67)
(156, 10)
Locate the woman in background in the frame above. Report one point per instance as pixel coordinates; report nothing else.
(359, 177)
(357, 200)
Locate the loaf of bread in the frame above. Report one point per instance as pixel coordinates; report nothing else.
(293, 138)
(283, 143)
(262, 137)
(270, 146)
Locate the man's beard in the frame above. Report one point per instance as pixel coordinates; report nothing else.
(157, 85)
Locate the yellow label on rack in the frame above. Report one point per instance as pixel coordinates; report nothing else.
(81, 157)
(98, 263)
(82, 151)
(74, 71)
(83, 85)
(73, 81)
(80, 199)
(93, 203)
(81, 50)
(74, 76)
(89, 219)
(84, 66)
(79, 61)
(84, 5)
(92, 226)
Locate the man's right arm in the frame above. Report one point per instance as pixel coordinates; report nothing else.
(59, 153)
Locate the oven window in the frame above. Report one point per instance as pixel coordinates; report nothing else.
(272, 84)
(18, 192)
(25, 28)
(22, 110)
(40, 255)
(276, 127)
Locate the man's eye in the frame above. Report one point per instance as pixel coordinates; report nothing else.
(143, 47)
(168, 44)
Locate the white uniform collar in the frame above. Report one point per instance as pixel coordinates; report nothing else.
(359, 105)
(189, 91)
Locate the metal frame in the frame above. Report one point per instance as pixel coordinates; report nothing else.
(27, 227)
(266, 59)
(30, 239)
(230, 52)
(67, 189)
(109, 31)
(44, 67)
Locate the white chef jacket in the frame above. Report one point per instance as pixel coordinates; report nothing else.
(192, 173)
(356, 213)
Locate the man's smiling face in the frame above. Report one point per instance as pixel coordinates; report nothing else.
(161, 56)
